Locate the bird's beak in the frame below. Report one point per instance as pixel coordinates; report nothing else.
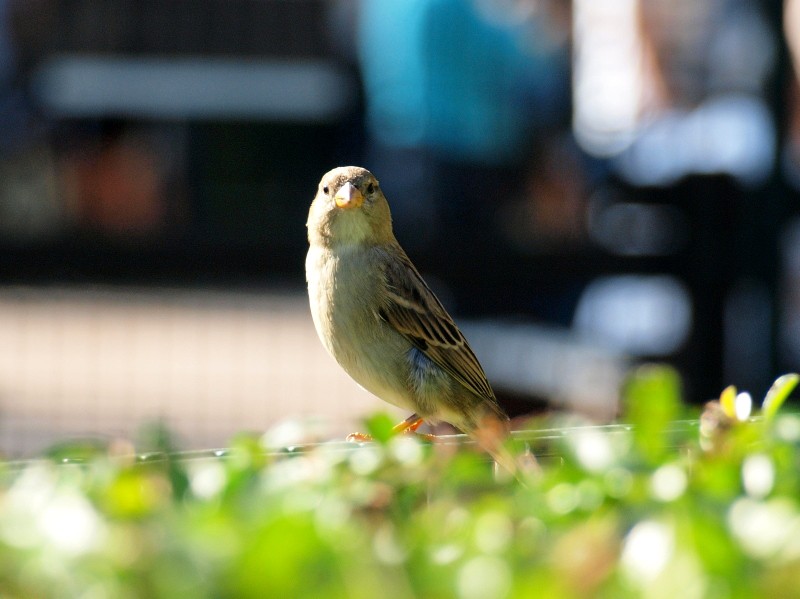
(348, 196)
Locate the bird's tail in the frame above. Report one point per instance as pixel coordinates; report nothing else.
(491, 436)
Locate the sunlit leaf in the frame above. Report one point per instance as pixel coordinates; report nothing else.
(652, 401)
(778, 393)
(727, 400)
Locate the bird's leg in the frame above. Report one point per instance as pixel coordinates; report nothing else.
(408, 426)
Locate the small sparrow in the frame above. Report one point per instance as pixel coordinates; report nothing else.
(382, 323)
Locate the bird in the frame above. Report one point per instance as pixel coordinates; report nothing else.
(381, 322)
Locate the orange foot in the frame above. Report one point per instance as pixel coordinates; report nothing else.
(408, 426)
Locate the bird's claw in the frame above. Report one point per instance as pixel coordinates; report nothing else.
(409, 426)
(365, 438)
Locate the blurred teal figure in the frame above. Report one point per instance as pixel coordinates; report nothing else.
(454, 92)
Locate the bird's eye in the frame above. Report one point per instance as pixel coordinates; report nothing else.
(370, 188)
(325, 190)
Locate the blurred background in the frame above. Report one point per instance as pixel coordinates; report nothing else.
(586, 185)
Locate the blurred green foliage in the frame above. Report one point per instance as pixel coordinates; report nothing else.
(677, 504)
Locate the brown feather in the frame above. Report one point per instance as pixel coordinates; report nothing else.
(415, 312)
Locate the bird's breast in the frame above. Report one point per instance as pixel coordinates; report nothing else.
(341, 293)
(344, 292)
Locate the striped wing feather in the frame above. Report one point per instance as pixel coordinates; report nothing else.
(415, 312)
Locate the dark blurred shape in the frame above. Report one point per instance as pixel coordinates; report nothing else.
(549, 212)
(186, 137)
(29, 205)
(789, 320)
(233, 28)
(116, 185)
(14, 109)
(791, 27)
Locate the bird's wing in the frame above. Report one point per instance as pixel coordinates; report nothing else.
(416, 313)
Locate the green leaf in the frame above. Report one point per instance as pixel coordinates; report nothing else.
(380, 427)
(77, 450)
(652, 400)
(778, 393)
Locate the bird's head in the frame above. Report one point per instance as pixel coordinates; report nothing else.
(349, 209)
